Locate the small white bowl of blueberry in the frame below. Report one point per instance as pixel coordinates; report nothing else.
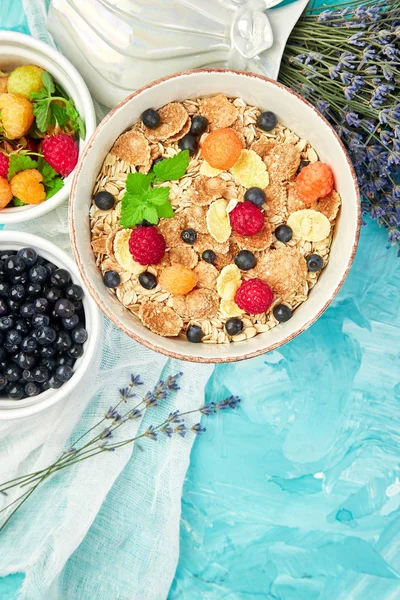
(49, 325)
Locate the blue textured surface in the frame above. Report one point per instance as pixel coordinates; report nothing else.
(296, 495)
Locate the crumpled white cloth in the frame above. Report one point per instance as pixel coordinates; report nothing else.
(107, 528)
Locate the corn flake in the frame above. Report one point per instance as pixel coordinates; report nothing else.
(284, 270)
(282, 162)
(160, 319)
(218, 111)
(208, 171)
(173, 118)
(133, 148)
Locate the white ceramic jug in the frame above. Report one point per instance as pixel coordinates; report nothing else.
(120, 45)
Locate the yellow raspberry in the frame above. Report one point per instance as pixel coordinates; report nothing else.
(177, 280)
(16, 115)
(26, 186)
(24, 80)
(5, 192)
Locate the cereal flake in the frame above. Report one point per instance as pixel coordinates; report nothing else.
(160, 319)
(173, 118)
(133, 148)
(218, 111)
(249, 170)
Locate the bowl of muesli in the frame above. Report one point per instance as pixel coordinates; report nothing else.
(215, 214)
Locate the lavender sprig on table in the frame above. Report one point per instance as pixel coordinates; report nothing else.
(104, 433)
(346, 62)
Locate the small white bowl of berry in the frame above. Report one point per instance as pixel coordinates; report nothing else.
(46, 113)
(49, 325)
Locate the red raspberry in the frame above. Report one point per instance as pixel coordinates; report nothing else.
(246, 218)
(147, 245)
(4, 162)
(61, 152)
(314, 181)
(254, 296)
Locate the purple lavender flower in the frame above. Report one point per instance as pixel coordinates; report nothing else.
(198, 429)
(181, 429)
(171, 382)
(174, 417)
(151, 433)
(135, 414)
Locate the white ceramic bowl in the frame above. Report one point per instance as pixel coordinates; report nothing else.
(19, 49)
(14, 409)
(292, 111)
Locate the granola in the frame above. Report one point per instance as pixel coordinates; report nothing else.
(203, 275)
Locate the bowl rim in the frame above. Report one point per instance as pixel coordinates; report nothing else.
(31, 44)
(110, 314)
(42, 244)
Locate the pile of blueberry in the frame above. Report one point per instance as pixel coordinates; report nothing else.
(42, 324)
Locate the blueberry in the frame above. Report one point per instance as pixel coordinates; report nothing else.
(15, 391)
(46, 335)
(45, 386)
(282, 313)
(77, 304)
(27, 375)
(31, 389)
(41, 306)
(199, 125)
(233, 326)
(111, 279)
(72, 321)
(245, 260)
(13, 306)
(189, 236)
(74, 292)
(267, 120)
(50, 267)
(27, 310)
(26, 361)
(22, 326)
(209, 256)
(4, 289)
(21, 278)
(104, 200)
(145, 223)
(65, 360)
(64, 373)
(147, 280)
(55, 383)
(60, 278)
(64, 308)
(11, 347)
(6, 254)
(50, 364)
(28, 255)
(79, 335)
(75, 351)
(14, 337)
(283, 233)
(33, 290)
(151, 118)
(63, 341)
(13, 373)
(38, 274)
(3, 307)
(14, 265)
(41, 374)
(255, 195)
(39, 321)
(303, 163)
(29, 344)
(194, 334)
(52, 294)
(189, 142)
(3, 382)
(314, 263)
(6, 322)
(17, 292)
(47, 351)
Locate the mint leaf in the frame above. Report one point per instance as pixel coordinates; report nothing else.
(172, 168)
(42, 112)
(48, 173)
(165, 210)
(75, 119)
(138, 184)
(53, 186)
(159, 196)
(150, 214)
(131, 212)
(18, 202)
(20, 162)
(48, 83)
(59, 114)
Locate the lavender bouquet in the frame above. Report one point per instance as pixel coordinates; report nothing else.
(346, 61)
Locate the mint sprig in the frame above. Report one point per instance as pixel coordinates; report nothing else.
(50, 109)
(51, 180)
(20, 162)
(144, 201)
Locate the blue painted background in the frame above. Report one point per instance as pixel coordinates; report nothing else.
(296, 496)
